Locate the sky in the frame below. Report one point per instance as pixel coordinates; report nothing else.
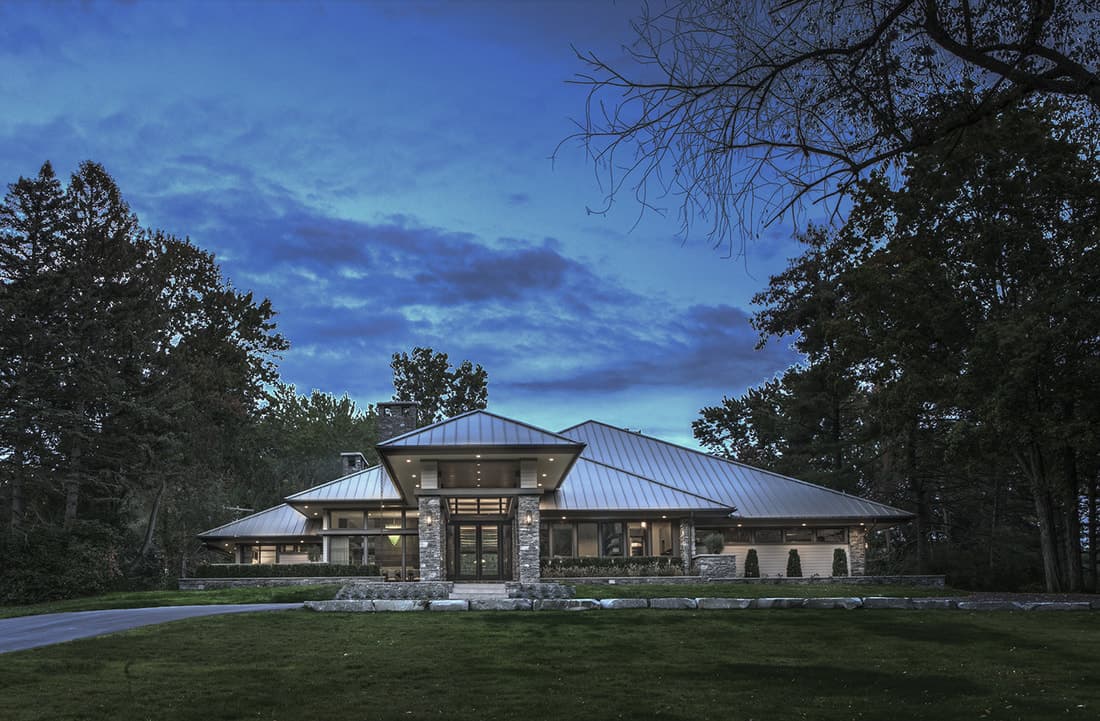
(385, 173)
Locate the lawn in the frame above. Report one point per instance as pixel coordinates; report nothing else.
(141, 599)
(690, 665)
(753, 590)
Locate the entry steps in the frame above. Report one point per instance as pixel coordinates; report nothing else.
(478, 591)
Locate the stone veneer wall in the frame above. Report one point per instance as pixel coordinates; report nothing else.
(431, 538)
(395, 590)
(527, 548)
(719, 565)
(857, 550)
(687, 542)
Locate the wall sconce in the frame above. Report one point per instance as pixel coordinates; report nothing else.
(429, 520)
(528, 519)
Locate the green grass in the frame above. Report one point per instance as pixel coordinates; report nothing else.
(753, 590)
(690, 665)
(141, 599)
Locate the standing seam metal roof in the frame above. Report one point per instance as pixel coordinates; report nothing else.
(754, 492)
(478, 428)
(369, 484)
(593, 486)
(281, 520)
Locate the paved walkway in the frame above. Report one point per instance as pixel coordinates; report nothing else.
(23, 632)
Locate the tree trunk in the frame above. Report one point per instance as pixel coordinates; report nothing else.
(1094, 533)
(151, 525)
(15, 521)
(1032, 464)
(1071, 519)
(72, 486)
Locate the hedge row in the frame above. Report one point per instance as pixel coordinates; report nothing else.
(590, 566)
(268, 570)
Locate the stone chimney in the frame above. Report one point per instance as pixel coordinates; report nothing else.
(395, 418)
(351, 462)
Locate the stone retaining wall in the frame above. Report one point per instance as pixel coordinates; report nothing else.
(848, 603)
(539, 590)
(716, 565)
(208, 584)
(395, 590)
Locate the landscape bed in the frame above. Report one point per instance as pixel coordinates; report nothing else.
(692, 665)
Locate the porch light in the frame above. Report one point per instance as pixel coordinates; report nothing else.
(527, 519)
(429, 520)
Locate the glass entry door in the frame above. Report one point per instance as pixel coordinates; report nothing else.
(480, 552)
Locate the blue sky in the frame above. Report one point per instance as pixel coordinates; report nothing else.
(381, 171)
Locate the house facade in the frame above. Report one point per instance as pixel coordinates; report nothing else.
(480, 497)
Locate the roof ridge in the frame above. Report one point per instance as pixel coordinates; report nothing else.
(655, 482)
(253, 515)
(739, 464)
(336, 480)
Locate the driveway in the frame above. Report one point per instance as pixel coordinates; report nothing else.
(23, 632)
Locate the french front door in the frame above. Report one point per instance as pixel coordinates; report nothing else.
(480, 552)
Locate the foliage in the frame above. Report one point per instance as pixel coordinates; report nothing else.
(441, 389)
(840, 562)
(794, 564)
(714, 543)
(746, 111)
(752, 564)
(282, 570)
(82, 560)
(591, 566)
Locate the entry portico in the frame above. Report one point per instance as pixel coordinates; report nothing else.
(477, 480)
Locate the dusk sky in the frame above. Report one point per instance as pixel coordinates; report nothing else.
(381, 171)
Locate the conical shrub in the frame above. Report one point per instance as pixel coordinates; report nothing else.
(840, 562)
(794, 564)
(752, 564)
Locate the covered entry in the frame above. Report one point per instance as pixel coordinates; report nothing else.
(479, 539)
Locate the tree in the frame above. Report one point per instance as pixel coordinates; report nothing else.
(747, 109)
(129, 369)
(441, 390)
(965, 305)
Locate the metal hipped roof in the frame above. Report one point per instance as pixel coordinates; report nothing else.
(754, 492)
(478, 428)
(281, 520)
(369, 484)
(592, 486)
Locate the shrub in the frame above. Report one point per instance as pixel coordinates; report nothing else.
(840, 562)
(794, 564)
(752, 564)
(714, 543)
(56, 563)
(589, 566)
(267, 570)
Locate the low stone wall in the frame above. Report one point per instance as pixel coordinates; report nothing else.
(539, 590)
(395, 590)
(716, 565)
(920, 581)
(845, 603)
(207, 584)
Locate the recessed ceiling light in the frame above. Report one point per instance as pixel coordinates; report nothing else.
(540, 485)
(306, 506)
(544, 475)
(418, 485)
(477, 455)
(551, 460)
(408, 460)
(414, 475)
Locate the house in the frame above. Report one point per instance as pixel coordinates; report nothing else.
(480, 497)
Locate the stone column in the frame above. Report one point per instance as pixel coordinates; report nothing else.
(431, 538)
(527, 550)
(857, 550)
(687, 542)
